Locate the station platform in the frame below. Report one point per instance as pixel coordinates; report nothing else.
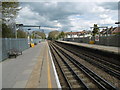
(110, 49)
(33, 69)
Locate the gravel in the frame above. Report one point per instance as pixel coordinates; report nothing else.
(114, 81)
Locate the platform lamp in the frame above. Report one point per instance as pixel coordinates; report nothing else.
(117, 22)
(29, 35)
(17, 26)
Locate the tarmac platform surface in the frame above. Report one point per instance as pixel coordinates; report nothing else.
(33, 69)
(99, 47)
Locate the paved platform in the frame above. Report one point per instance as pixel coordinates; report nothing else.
(33, 69)
(99, 47)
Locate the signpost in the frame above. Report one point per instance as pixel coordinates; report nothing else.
(97, 38)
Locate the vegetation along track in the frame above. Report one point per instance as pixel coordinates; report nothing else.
(95, 59)
(76, 75)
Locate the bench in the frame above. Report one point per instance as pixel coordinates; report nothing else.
(14, 52)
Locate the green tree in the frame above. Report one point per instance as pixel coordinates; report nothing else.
(37, 34)
(7, 32)
(53, 35)
(9, 11)
(61, 35)
(0, 28)
(0, 19)
(21, 34)
(95, 29)
(33, 35)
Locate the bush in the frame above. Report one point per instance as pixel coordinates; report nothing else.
(35, 43)
(91, 42)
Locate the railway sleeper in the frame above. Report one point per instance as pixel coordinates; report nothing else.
(66, 69)
(74, 82)
(74, 68)
(70, 77)
(63, 86)
(80, 75)
(64, 66)
(77, 86)
(67, 73)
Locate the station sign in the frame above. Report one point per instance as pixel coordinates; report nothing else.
(97, 38)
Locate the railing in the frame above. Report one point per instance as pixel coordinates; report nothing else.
(11, 43)
(103, 40)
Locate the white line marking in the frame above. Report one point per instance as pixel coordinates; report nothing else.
(0, 75)
(56, 76)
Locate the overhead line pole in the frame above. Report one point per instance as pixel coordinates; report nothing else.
(31, 26)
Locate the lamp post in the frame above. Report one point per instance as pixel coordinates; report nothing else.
(117, 22)
(17, 26)
(15, 31)
(29, 38)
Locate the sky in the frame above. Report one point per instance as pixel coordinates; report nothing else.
(68, 16)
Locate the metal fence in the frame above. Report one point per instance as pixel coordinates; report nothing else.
(108, 40)
(36, 40)
(103, 40)
(0, 49)
(12, 43)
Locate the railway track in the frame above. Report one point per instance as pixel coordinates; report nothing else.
(95, 60)
(71, 78)
(77, 75)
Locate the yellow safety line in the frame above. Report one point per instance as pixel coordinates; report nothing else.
(49, 76)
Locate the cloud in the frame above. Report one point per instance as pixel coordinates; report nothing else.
(67, 16)
(103, 16)
(107, 21)
(47, 28)
(99, 9)
(109, 5)
(27, 16)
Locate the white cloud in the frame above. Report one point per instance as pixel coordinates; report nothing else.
(107, 21)
(103, 16)
(27, 16)
(68, 1)
(67, 16)
(99, 9)
(51, 29)
(58, 25)
(79, 24)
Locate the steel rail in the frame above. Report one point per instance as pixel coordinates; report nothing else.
(68, 84)
(98, 58)
(88, 59)
(111, 65)
(76, 76)
(103, 83)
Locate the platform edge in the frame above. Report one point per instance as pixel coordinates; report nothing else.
(55, 72)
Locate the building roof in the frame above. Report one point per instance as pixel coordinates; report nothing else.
(109, 30)
(76, 33)
(116, 30)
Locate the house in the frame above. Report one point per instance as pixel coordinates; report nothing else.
(83, 33)
(110, 31)
(116, 30)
